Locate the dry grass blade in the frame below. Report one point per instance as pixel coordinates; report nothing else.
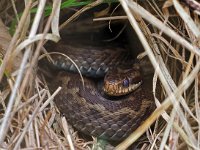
(183, 87)
(156, 22)
(9, 114)
(134, 136)
(7, 117)
(168, 31)
(36, 38)
(4, 38)
(67, 134)
(28, 123)
(40, 44)
(15, 38)
(188, 20)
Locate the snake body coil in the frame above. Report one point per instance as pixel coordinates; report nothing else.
(87, 107)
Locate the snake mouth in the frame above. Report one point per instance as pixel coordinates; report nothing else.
(114, 90)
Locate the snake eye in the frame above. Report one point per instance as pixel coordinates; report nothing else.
(126, 83)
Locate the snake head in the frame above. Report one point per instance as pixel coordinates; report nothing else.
(122, 81)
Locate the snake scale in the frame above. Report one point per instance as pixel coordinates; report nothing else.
(87, 107)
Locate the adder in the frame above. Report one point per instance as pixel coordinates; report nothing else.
(109, 109)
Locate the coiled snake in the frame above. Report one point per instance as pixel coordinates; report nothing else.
(87, 107)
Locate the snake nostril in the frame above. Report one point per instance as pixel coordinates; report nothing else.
(126, 83)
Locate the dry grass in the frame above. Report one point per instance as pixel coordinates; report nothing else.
(29, 118)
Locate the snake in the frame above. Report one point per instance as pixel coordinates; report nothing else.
(111, 115)
(110, 102)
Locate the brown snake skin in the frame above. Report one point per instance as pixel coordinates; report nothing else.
(88, 109)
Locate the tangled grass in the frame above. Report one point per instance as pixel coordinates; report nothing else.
(169, 33)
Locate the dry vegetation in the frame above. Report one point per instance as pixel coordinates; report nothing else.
(170, 35)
